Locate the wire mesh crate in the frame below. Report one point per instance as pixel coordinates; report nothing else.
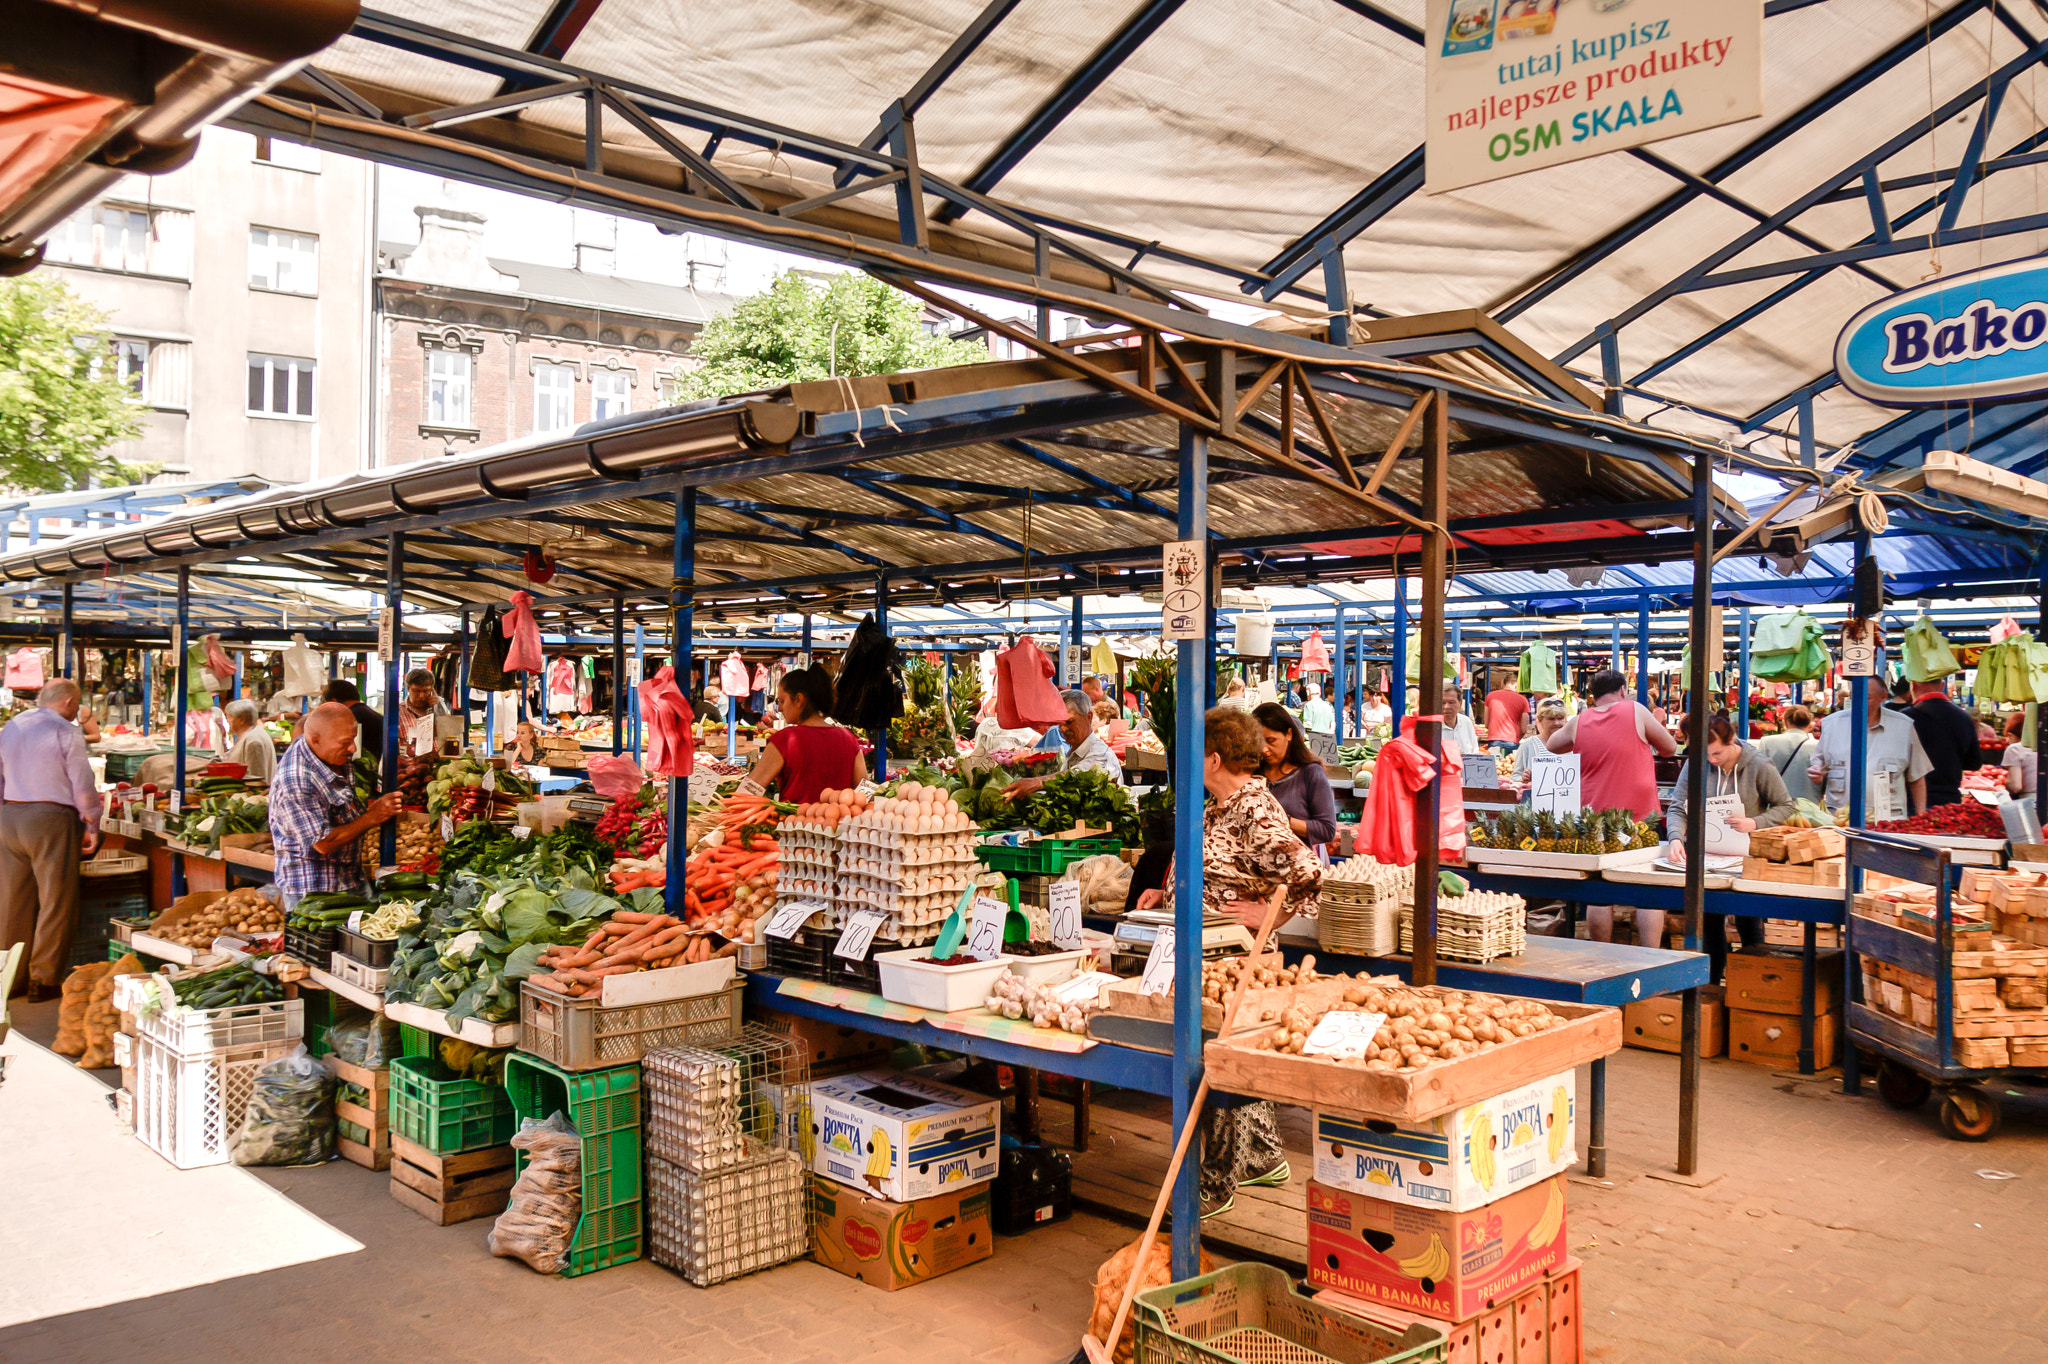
(708, 1108)
(718, 1226)
(190, 1109)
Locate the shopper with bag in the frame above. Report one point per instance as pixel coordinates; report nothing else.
(48, 793)
(1791, 752)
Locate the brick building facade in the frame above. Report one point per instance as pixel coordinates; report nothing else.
(473, 351)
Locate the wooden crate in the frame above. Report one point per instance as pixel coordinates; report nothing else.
(1237, 1066)
(1812, 845)
(1792, 933)
(452, 1188)
(1768, 845)
(376, 1118)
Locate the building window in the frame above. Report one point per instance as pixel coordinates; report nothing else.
(275, 151)
(280, 386)
(611, 393)
(554, 397)
(287, 262)
(448, 382)
(131, 365)
(139, 241)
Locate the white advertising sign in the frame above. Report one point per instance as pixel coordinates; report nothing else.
(1185, 611)
(1515, 85)
(1554, 783)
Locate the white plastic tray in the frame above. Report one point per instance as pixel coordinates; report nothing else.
(1515, 857)
(945, 989)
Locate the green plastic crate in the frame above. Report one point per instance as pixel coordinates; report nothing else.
(1252, 1311)
(418, 1041)
(604, 1108)
(1046, 857)
(437, 1109)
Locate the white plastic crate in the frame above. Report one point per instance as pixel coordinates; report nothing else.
(196, 1032)
(189, 1109)
(349, 971)
(710, 1228)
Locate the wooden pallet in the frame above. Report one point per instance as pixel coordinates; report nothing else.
(376, 1118)
(453, 1188)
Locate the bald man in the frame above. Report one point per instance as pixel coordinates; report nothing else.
(316, 823)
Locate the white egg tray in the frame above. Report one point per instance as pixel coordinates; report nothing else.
(891, 859)
(807, 861)
(804, 834)
(914, 907)
(879, 837)
(797, 886)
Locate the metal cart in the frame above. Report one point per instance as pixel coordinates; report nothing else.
(1912, 1062)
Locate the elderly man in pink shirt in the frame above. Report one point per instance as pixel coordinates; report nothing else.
(46, 793)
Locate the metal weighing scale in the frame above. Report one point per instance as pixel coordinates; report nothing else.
(1222, 936)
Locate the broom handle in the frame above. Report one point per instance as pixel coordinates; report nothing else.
(1187, 1131)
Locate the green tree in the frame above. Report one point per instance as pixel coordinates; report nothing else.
(62, 402)
(801, 329)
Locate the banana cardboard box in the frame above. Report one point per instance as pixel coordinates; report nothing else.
(894, 1245)
(901, 1137)
(1440, 1263)
(1463, 1160)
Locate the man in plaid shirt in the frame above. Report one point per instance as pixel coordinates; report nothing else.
(316, 824)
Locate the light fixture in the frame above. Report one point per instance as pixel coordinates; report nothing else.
(1978, 481)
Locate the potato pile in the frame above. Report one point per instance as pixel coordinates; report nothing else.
(1219, 976)
(246, 910)
(1423, 1027)
(418, 841)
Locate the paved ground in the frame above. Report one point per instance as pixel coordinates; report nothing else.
(1830, 1229)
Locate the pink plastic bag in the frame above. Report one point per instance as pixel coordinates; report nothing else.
(523, 654)
(615, 776)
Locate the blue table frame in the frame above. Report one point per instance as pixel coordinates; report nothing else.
(1566, 970)
(1808, 910)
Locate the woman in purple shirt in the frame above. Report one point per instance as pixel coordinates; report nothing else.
(1296, 778)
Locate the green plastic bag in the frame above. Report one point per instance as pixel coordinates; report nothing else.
(1538, 671)
(1415, 660)
(1927, 654)
(1788, 647)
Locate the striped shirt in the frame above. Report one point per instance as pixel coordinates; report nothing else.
(308, 801)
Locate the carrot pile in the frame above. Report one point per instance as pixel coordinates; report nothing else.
(633, 873)
(730, 883)
(739, 811)
(629, 942)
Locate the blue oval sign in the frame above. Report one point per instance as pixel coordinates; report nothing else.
(1981, 334)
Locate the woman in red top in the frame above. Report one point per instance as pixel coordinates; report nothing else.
(810, 754)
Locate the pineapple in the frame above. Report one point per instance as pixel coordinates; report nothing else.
(1616, 821)
(1545, 832)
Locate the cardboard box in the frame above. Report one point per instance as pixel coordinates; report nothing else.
(1464, 1159)
(1772, 1039)
(902, 1137)
(182, 908)
(894, 1245)
(1657, 1025)
(1767, 980)
(249, 850)
(1443, 1264)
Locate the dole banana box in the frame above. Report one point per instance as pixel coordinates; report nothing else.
(894, 1245)
(1440, 1263)
(1464, 1159)
(901, 1137)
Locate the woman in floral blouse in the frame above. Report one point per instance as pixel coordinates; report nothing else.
(1249, 850)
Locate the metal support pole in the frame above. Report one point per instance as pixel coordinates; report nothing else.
(1742, 676)
(183, 678)
(1429, 716)
(64, 639)
(1337, 679)
(804, 659)
(1614, 645)
(1195, 657)
(1643, 650)
(1071, 665)
(462, 679)
(148, 685)
(618, 674)
(1857, 717)
(882, 620)
(682, 579)
(1696, 803)
(394, 683)
(1397, 682)
(639, 670)
(241, 667)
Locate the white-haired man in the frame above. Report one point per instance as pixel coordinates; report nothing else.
(249, 743)
(1085, 748)
(49, 812)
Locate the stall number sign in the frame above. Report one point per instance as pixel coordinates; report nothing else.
(859, 934)
(788, 918)
(1185, 611)
(1343, 1034)
(1158, 977)
(1859, 651)
(985, 929)
(1075, 653)
(387, 634)
(1063, 899)
(1554, 783)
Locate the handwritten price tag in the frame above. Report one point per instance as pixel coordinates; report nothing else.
(1342, 1034)
(1554, 783)
(750, 787)
(985, 929)
(789, 917)
(859, 934)
(447, 828)
(1064, 900)
(1158, 977)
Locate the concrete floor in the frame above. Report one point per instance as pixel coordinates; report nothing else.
(1825, 1228)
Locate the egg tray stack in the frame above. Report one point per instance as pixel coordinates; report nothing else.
(1359, 905)
(914, 875)
(1477, 927)
(808, 866)
(726, 1128)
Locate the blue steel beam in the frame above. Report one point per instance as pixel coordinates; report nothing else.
(1134, 501)
(1069, 97)
(953, 521)
(1522, 299)
(935, 75)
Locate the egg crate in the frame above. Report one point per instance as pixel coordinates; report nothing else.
(712, 1107)
(1359, 917)
(914, 907)
(878, 861)
(877, 837)
(1468, 937)
(713, 1227)
(915, 885)
(911, 855)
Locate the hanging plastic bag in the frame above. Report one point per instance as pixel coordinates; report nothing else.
(1315, 655)
(303, 673)
(1415, 660)
(1926, 652)
(1537, 672)
(2006, 628)
(220, 669)
(291, 1114)
(615, 775)
(522, 653)
(547, 1202)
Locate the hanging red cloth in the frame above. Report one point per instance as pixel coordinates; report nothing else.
(217, 661)
(523, 654)
(1025, 695)
(1315, 655)
(1386, 830)
(667, 718)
